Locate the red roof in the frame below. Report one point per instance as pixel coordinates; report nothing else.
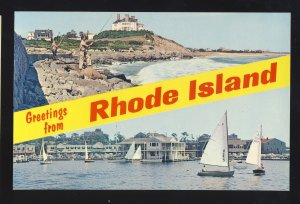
(265, 140)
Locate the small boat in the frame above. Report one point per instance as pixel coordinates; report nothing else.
(254, 154)
(216, 151)
(44, 155)
(87, 159)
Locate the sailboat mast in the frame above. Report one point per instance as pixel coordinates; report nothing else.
(260, 138)
(227, 141)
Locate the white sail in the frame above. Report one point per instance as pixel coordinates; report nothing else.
(254, 154)
(130, 152)
(43, 153)
(138, 154)
(86, 152)
(216, 151)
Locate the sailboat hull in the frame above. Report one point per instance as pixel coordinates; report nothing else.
(45, 162)
(258, 172)
(216, 173)
(132, 160)
(89, 160)
(150, 161)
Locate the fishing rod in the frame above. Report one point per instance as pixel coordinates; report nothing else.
(102, 28)
(106, 22)
(61, 40)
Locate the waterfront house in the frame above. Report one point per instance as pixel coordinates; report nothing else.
(128, 23)
(195, 148)
(74, 149)
(43, 35)
(272, 145)
(237, 146)
(24, 149)
(156, 147)
(112, 149)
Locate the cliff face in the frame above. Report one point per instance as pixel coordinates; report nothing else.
(27, 90)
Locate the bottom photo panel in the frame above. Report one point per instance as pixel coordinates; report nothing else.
(234, 144)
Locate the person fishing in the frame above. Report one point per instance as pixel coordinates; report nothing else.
(83, 55)
(54, 48)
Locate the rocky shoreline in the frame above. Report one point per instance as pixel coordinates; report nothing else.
(40, 80)
(109, 57)
(62, 80)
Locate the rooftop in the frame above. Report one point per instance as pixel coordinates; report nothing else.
(149, 137)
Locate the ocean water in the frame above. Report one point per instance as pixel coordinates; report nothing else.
(148, 72)
(104, 175)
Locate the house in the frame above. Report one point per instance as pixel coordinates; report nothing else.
(156, 146)
(73, 149)
(272, 145)
(237, 146)
(21, 149)
(43, 35)
(112, 148)
(128, 23)
(195, 149)
(30, 35)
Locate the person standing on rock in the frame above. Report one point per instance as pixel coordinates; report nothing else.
(83, 55)
(54, 48)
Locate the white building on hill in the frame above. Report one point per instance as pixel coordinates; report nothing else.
(128, 23)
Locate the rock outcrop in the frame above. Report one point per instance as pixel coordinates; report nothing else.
(62, 80)
(27, 90)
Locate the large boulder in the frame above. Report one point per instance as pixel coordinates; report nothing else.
(92, 74)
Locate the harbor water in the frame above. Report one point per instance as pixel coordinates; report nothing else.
(105, 175)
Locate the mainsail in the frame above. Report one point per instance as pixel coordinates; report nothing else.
(44, 154)
(130, 152)
(86, 151)
(138, 154)
(216, 151)
(254, 154)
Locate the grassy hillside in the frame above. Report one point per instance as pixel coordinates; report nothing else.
(123, 34)
(116, 40)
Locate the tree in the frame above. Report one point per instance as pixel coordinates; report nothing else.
(120, 137)
(184, 137)
(175, 136)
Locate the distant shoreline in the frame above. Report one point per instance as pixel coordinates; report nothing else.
(109, 57)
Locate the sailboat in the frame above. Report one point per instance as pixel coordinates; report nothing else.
(137, 155)
(254, 154)
(133, 155)
(44, 155)
(87, 159)
(130, 153)
(216, 151)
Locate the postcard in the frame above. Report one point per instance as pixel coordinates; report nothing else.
(151, 101)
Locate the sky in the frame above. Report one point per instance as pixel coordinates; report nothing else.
(265, 31)
(245, 114)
